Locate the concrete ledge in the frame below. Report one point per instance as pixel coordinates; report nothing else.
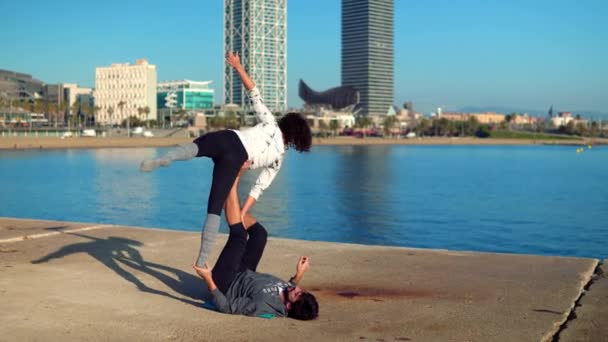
(126, 283)
(589, 320)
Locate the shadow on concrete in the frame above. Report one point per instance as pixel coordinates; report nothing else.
(114, 251)
(57, 228)
(54, 229)
(181, 282)
(548, 311)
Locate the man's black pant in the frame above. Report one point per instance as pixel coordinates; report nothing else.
(239, 253)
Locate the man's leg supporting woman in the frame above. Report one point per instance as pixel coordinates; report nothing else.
(230, 260)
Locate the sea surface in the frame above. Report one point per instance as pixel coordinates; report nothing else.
(547, 200)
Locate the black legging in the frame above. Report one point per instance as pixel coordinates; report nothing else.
(228, 155)
(239, 254)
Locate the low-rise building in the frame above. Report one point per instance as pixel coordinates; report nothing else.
(73, 93)
(123, 90)
(561, 120)
(19, 86)
(488, 118)
(186, 96)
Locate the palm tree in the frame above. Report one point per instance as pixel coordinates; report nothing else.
(140, 111)
(74, 109)
(333, 126)
(54, 111)
(322, 127)
(31, 104)
(110, 112)
(422, 127)
(511, 119)
(147, 111)
(121, 106)
(363, 121)
(472, 126)
(85, 108)
(389, 123)
(96, 110)
(39, 106)
(444, 127)
(62, 111)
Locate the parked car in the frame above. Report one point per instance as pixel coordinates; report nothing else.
(148, 134)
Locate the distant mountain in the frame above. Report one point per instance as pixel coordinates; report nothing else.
(587, 114)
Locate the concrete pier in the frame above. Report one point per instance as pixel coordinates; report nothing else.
(83, 281)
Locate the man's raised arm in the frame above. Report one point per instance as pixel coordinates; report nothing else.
(301, 268)
(234, 213)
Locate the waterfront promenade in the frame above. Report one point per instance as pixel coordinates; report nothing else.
(109, 142)
(84, 281)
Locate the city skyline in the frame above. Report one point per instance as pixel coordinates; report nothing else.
(447, 54)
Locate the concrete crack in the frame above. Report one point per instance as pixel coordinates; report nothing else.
(597, 273)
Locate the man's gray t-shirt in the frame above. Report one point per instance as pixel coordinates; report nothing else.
(252, 294)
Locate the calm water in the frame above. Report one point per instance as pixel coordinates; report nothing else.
(533, 199)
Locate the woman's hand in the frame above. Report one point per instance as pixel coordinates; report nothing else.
(233, 59)
(246, 207)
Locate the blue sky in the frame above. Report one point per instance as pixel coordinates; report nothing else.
(450, 53)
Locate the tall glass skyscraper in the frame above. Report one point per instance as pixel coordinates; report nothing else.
(257, 30)
(367, 52)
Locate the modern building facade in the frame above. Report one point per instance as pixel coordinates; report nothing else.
(19, 86)
(133, 86)
(74, 94)
(189, 95)
(257, 30)
(53, 93)
(368, 52)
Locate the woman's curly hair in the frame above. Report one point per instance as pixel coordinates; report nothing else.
(296, 131)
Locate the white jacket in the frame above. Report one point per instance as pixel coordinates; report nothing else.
(263, 143)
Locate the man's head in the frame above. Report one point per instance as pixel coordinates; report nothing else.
(301, 305)
(296, 132)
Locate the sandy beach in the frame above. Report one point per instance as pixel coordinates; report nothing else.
(105, 142)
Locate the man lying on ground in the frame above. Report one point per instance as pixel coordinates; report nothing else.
(236, 286)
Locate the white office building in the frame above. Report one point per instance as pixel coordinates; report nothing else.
(73, 93)
(124, 90)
